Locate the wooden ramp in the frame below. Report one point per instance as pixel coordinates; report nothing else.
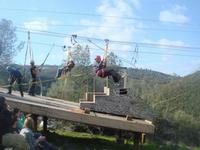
(56, 108)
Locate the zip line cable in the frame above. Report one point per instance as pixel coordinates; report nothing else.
(60, 46)
(55, 34)
(149, 52)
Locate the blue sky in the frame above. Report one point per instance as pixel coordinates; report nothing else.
(165, 32)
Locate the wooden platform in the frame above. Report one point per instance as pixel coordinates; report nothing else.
(56, 108)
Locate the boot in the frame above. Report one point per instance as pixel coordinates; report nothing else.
(9, 89)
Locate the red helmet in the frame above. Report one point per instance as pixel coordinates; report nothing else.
(98, 58)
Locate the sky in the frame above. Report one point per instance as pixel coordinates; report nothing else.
(161, 35)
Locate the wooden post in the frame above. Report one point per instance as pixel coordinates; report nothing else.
(137, 140)
(119, 137)
(45, 123)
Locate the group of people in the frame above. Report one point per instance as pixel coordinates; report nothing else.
(16, 76)
(12, 137)
(99, 67)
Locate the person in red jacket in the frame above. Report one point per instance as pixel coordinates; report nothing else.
(102, 71)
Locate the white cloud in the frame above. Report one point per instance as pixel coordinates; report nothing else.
(175, 14)
(36, 25)
(136, 4)
(102, 28)
(111, 8)
(165, 45)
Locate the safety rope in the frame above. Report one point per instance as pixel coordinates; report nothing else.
(44, 81)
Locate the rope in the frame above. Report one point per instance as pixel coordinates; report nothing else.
(44, 81)
(128, 62)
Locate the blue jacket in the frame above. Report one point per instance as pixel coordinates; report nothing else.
(14, 73)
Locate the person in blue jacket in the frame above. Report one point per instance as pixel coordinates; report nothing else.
(14, 76)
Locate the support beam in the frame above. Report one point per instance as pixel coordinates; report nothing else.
(119, 137)
(137, 140)
(35, 121)
(45, 119)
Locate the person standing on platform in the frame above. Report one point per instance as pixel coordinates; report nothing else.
(14, 76)
(34, 73)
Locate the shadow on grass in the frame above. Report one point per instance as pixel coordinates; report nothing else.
(84, 141)
(70, 142)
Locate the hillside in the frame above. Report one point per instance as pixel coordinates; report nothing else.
(142, 81)
(174, 99)
(181, 94)
(178, 103)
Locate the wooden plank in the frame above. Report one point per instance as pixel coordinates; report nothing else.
(67, 112)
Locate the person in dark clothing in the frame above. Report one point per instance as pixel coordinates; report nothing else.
(34, 72)
(103, 72)
(65, 69)
(9, 139)
(14, 75)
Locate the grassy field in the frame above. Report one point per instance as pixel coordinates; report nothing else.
(68, 140)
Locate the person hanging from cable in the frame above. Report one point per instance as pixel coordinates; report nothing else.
(14, 76)
(67, 67)
(102, 71)
(34, 72)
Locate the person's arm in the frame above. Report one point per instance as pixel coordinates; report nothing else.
(34, 71)
(104, 61)
(96, 67)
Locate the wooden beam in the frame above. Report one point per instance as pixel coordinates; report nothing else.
(45, 119)
(44, 107)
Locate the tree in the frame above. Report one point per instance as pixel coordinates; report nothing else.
(8, 39)
(81, 55)
(114, 60)
(75, 85)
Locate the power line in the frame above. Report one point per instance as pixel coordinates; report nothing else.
(156, 53)
(119, 27)
(84, 14)
(93, 15)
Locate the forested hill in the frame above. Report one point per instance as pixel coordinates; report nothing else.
(174, 99)
(178, 103)
(182, 94)
(150, 75)
(142, 81)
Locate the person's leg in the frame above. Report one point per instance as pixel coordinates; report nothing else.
(34, 86)
(116, 77)
(59, 72)
(12, 80)
(32, 89)
(19, 80)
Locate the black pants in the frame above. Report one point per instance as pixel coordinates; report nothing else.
(18, 80)
(109, 72)
(33, 86)
(63, 71)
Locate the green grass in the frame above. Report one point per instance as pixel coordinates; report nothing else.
(65, 140)
(68, 140)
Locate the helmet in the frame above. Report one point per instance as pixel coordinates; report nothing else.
(98, 58)
(32, 62)
(8, 68)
